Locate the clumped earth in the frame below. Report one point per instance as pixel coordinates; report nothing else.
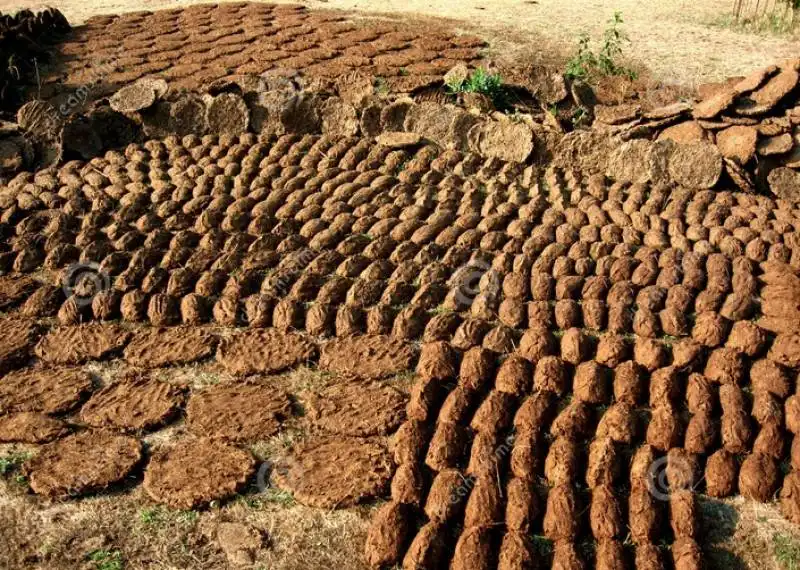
(592, 350)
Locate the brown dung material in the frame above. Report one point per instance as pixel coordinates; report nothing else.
(357, 409)
(336, 473)
(132, 404)
(264, 351)
(238, 412)
(367, 356)
(45, 390)
(197, 471)
(158, 347)
(30, 427)
(82, 463)
(76, 345)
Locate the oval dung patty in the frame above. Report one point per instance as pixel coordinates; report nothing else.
(197, 471)
(238, 412)
(76, 345)
(15, 289)
(336, 473)
(367, 356)
(17, 339)
(157, 347)
(357, 409)
(264, 351)
(83, 462)
(30, 427)
(132, 404)
(45, 390)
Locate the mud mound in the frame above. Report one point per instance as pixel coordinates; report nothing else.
(82, 463)
(335, 473)
(15, 289)
(133, 404)
(158, 347)
(30, 427)
(197, 471)
(240, 413)
(367, 357)
(45, 390)
(17, 340)
(79, 344)
(264, 351)
(357, 409)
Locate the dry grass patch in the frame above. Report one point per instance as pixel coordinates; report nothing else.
(741, 534)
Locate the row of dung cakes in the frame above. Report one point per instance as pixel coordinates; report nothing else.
(268, 105)
(743, 134)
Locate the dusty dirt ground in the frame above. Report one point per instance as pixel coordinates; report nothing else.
(676, 39)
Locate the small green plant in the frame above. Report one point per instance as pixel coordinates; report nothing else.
(586, 63)
(381, 86)
(787, 551)
(107, 559)
(11, 462)
(151, 517)
(483, 82)
(277, 496)
(159, 516)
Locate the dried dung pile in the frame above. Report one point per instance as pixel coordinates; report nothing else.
(744, 134)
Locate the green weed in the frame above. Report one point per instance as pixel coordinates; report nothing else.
(485, 83)
(107, 559)
(586, 63)
(12, 461)
(787, 551)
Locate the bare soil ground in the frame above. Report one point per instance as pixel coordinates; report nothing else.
(676, 39)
